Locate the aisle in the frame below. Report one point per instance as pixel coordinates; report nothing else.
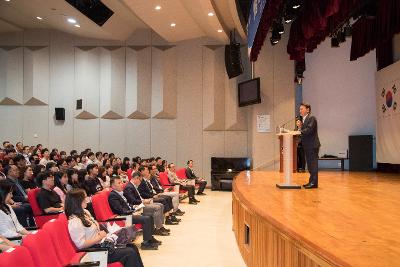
(204, 238)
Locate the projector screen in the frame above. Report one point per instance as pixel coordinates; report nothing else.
(249, 92)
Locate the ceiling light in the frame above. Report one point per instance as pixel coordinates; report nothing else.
(71, 20)
(210, 14)
(39, 18)
(157, 8)
(173, 24)
(296, 6)
(77, 25)
(7, 0)
(219, 30)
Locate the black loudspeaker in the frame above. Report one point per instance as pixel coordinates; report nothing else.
(360, 152)
(233, 61)
(79, 104)
(60, 114)
(95, 10)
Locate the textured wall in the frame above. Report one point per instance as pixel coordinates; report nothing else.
(140, 97)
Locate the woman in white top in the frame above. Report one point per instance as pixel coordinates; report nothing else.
(85, 231)
(61, 181)
(9, 224)
(103, 177)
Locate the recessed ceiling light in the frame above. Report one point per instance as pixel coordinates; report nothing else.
(39, 18)
(157, 8)
(77, 25)
(210, 14)
(71, 20)
(7, 0)
(219, 30)
(173, 24)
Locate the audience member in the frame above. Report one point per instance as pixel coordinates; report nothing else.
(192, 176)
(92, 184)
(85, 231)
(173, 179)
(27, 181)
(61, 182)
(48, 200)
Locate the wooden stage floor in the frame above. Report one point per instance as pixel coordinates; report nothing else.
(352, 219)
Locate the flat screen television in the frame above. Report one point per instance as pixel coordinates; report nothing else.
(249, 92)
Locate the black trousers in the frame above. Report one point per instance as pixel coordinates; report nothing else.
(147, 223)
(301, 161)
(129, 257)
(202, 186)
(24, 215)
(166, 201)
(312, 164)
(190, 189)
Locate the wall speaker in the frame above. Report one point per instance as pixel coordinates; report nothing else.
(60, 114)
(233, 61)
(79, 104)
(360, 152)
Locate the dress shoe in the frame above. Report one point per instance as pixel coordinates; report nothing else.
(179, 212)
(161, 232)
(192, 202)
(182, 197)
(165, 229)
(201, 194)
(147, 245)
(155, 241)
(174, 219)
(168, 221)
(309, 186)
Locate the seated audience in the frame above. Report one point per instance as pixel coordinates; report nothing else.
(191, 175)
(167, 192)
(99, 159)
(61, 182)
(48, 200)
(51, 166)
(45, 156)
(173, 179)
(103, 177)
(146, 191)
(73, 181)
(155, 210)
(19, 201)
(85, 231)
(120, 206)
(27, 181)
(9, 224)
(92, 184)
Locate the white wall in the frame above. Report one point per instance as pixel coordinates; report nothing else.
(175, 131)
(341, 94)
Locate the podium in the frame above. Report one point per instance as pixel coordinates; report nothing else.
(287, 140)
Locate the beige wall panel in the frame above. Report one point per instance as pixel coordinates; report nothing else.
(11, 75)
(163, 139)
(137, 138)
(213, 146)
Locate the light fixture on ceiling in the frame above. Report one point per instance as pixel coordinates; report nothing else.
(210, 14)
(296, 4)
(7, 0)
(219, 30)
(173, 24)
(71, 20)
(39, 18)
(157, 8)
(77, 25)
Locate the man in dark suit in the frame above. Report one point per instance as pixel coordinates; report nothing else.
(311, 144)
(120, 206)
(155, 210)
(147, 192)
(199, 181)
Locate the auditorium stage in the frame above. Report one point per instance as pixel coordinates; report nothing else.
(352, 219)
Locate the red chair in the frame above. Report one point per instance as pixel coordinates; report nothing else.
(181, 173)
(16, 257)
(65, 248)
(40, 217)
(164, 181)
(103, 211)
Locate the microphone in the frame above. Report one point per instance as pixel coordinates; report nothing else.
(281, 127)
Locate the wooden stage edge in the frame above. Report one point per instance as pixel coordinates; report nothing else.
(352, 219)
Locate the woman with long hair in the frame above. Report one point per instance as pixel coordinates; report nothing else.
(27, 181)
(61, 182)
(73, 181)
(85, 231)
(9, 224)
(103, 177)
(125, 164)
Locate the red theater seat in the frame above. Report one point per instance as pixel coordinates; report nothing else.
(16, 257)
(40, 217)
(103, 211)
